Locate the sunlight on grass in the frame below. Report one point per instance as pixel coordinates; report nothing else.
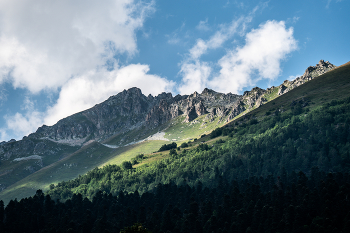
(145, 147)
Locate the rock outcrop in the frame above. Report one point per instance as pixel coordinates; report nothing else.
(310, 73)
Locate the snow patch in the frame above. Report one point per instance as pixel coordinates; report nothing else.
(27, 158)
(157, 136)
(71, 142)
(110, 146)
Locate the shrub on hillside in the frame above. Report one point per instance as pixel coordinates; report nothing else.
(216, 133)
(172, 152)
(184, 145)
(167, 147)
(126, 165)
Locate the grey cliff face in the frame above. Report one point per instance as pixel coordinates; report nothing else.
(131, 109)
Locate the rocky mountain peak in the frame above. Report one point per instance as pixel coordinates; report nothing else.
(310, 73)
(207, 91)
(319, 69)
(194, 95)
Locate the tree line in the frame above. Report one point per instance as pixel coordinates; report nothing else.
(287, 203)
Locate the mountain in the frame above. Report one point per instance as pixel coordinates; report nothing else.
(305, 129)
(121, 127)
(281, 167)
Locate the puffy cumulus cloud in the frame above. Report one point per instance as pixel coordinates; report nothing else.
(219, 37)
(45, 43)
(259, 58)
(194, 77)
(195, 73)
(66, 45)
(20, 124)
(85, 91)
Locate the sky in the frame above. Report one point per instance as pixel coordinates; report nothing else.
(61, 57)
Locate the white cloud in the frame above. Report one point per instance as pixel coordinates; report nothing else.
(259, 58)
(203, 25)
(195, 76)
(4, 135)
(22, 124)
(45, 43)
(292, 77)
(81, 93)
(194, 72)
(219, 37)
(295, 19)
(65, 45)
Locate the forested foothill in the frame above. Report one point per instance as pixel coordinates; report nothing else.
(287, 172)
(289, 203)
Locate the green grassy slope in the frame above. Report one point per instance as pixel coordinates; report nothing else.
(69, 167)
(78, 163)
(12, 171)
(333, 85)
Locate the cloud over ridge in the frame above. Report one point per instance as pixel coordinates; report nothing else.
(65, 46)
(259, 58)
(70, 48)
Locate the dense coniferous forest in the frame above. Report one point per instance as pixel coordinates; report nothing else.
(285, 172)
(289, 203)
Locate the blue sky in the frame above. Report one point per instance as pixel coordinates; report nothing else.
(61, 57)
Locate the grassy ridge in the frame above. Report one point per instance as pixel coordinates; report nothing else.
(333, 85)
(12, 171)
